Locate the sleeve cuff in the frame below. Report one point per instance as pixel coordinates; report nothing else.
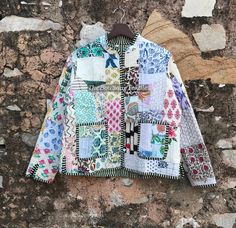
(209, 182)
(33, 172)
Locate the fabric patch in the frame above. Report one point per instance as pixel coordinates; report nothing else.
(112, 60)
(131, 107)
(171, 110)
(91, 69)
(113, 115)
(152, 91)
(153, 58)
(131, 57)
(78, 83)
(113, 83)
(91, 140)
(114, 142)
(91, 84)
(189, 129)
(100, 137)
(100, 99)
(85, 107)
(131, 137)
(70, 121)
(150, 116)
(161, 167)
(89, 50)
(47, 150)
(178, 89)
(85, 147)
(198, 162)
(51, 138)
(112, 76)
(131, 81)
(113, 95)
(153, 140)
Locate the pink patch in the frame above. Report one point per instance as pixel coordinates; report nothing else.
(113, 115)
(171, 109)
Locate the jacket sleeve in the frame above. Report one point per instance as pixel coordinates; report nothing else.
(44, 161)
(194, 153)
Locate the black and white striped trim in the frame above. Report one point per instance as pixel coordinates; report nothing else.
(123, 44)
(33, 175)
(103, 122)
(122, 172)
(166, 138)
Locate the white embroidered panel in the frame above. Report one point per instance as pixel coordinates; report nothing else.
(191, 134)
(173, 154)
(132, 161)
(91, 68)
(131, 57)
(157, 86)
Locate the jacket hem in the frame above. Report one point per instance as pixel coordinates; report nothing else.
(38, 178)
(121, 172)
(33, 175)
(205, 186)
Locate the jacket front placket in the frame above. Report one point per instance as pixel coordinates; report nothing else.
(121, 45)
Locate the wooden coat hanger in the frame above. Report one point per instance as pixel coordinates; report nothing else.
(120, 29)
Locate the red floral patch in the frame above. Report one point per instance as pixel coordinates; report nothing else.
(197, 161)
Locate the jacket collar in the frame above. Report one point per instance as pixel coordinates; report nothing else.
(108, 45)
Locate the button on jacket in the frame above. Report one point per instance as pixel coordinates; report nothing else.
(120, 108)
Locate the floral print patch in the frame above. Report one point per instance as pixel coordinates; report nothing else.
(113, 115)
(171, 110)
(91, 140)
(85, 106)
(112, 76)
(47, 150)
(197, 160)
(131, 107)
(154, 140)
(89, 50)
(111, 60)
(182, 99)
(153, 58)
(131, 81)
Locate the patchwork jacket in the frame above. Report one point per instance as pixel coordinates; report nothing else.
(120, 108)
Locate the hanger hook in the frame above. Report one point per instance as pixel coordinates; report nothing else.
(122, 10)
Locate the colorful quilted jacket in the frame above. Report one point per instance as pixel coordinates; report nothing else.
(120, 108)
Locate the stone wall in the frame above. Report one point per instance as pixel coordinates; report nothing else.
(35, 40)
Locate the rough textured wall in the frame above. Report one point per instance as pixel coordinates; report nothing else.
(32, 55)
